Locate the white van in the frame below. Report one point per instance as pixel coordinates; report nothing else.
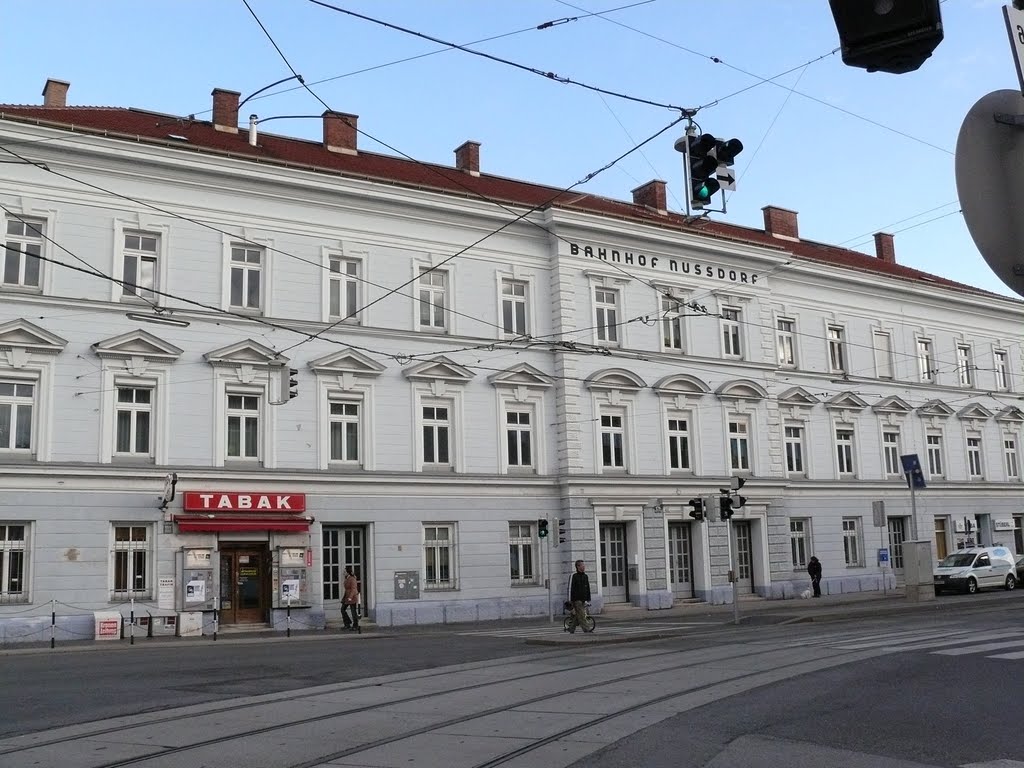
(968, 570)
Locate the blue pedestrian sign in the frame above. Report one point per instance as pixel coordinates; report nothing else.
(883, 556)
(912, 471)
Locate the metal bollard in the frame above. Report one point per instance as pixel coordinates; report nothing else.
(288, 632)
(131, 625)
(53, 623)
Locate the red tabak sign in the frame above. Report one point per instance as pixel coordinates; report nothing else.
(241, 501)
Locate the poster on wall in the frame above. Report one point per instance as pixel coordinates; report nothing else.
(195, 592)
(165, 593)
(290, 590)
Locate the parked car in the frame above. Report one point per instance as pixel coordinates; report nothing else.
(969, 570)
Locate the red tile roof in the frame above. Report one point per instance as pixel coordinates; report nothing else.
(140, 125)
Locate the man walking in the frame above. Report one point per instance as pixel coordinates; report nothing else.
(579, 595)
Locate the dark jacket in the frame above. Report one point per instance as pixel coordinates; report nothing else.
(579, 587)
(814, 568)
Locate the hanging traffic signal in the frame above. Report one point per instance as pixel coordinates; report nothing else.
(561, 530)
(702, 166)
(726, 507)
(887, 35)
(542, 528)
(698, 510)
(289, 383)
(725, 154)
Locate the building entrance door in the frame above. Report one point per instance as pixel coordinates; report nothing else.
(244, 584)
(897, 535)
(680, 560)
(343, 547)
(613, 562)
(743, 547)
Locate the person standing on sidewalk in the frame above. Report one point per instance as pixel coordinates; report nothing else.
(814, 571)
(579, 595)
(350, 601)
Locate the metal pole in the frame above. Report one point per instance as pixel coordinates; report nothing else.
(732, 576)
(53, 622)
(551, 605)
(131, 626)
(881, 566)
(216, 616)
(686, 168)
(913, 511)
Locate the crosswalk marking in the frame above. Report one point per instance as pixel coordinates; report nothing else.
(1014, 655)
(981, 648)
(644, 627)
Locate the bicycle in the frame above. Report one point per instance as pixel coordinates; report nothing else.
(570, 623)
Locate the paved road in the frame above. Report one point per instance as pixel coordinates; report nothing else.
(911, 693)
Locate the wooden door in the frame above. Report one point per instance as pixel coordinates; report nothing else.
(244, 586)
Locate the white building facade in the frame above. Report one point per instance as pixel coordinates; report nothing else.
(461, 381)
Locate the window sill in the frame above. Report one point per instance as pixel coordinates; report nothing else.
(437, 469)
(344, 466)
(126, 459)
(31, 290)
(440, 589)
(17, 456)
(138, 301)
(122, 600)
(521, 471)
(251, 311)
(524, 585)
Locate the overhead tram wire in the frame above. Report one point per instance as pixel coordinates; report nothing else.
(915, 226)
(523, 67)
(519, 217)
(894, 223)
(770, 80)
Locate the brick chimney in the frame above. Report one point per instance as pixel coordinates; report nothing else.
(467, 157)
(780, 222)
(652, 195)
(225, 110)
(55, 93)
(885, 249)
(340, 132)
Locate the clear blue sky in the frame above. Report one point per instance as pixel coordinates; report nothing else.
(844, 173)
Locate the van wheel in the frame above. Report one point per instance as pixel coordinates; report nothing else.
(1011, 582)
(972, 586)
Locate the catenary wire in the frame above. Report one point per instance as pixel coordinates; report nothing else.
(532, 70)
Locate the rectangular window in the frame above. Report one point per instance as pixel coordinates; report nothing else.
(964, 373)
(343, 291)
(433, 296)
(344, 431)
(246, 277)
(606, 304)
(519, 438)
(851, 541)
(794, 438)
(22, 249)
(243, 416)
(844, 451)
(1010, 454)
(925, 361)
(836, 349)
(513, 307)
(731, 346)
(1002, 370)
(739, 446)
(891, 452)
(436, 434)
(786, 342)
(134, 421)
(671, 324)
(799, 535)
(934, 444)
(882, 343)
(678, 443)
(16, 404)
(131, 562)
(139, 264)
(521, 549)
(13, 571)
(974, 468)
(612, 441)
(438, 557)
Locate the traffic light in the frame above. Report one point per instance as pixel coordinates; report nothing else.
(893, 36)
(561, 530)
(289, 383)
(702, 166)
(725, 154)
(697, 509)
(734, 485)
(542, 528)
(727, 505)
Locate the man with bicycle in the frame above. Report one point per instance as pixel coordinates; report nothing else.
(579, 596)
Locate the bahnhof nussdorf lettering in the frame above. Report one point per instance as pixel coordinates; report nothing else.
(654, 262)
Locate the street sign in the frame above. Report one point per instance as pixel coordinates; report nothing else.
(990, 182)
(1015, 29)
(912, 471)
(726, 177)
(883, 556)
(878, 511)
